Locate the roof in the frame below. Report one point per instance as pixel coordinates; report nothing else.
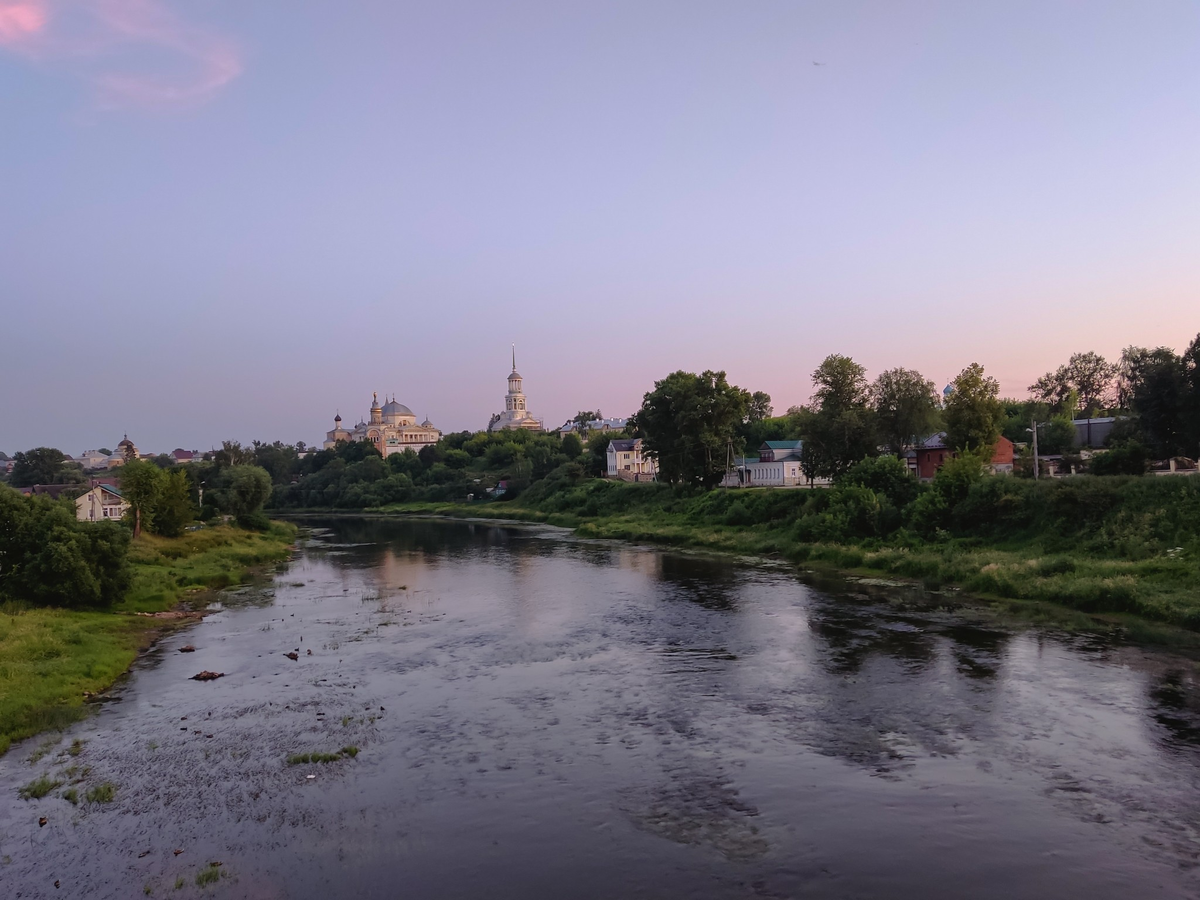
(180, 453)
(783, 445)
(624, 444)
(392, 408)
(933, 442)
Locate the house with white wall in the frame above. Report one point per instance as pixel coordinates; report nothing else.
(627, 461)
(103, 503)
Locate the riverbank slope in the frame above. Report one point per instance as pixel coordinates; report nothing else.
(51, 658)
(1123, 547)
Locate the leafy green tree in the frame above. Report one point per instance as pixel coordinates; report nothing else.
(244, 491)
(173, 507)
(572, 447)
(232, 453)
(760, 407)
(1056, 435)
(1130, 458)
(43, 465)
(906, 407)
(105, 451)
(1089, 376)
(582, 421)
(47, 558)
(973, 411)
(840, 430)
(140, 484)
(1154, 387)
(688, 422)
(163, 461)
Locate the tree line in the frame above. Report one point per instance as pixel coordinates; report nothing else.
(692, 423)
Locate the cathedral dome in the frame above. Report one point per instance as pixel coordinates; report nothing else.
(392, 408)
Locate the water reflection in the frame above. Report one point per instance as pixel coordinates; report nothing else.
(539, 716)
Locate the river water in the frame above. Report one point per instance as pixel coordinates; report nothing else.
(543, 717)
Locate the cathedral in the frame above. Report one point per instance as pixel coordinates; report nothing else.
(392, 429)
(516, 413)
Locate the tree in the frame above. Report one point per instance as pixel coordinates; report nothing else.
(1089, 375)
(232, 453)
(906, 407)
(105, 451)
(245, 490)
(840, 431)
(583, 420)
(973, 411)
(43, 465)
(760, 407)
(49, 559)
(1154, 387)
(572, 447)
(163, 461)
(140, 483)
(173, 507)
(688, 422)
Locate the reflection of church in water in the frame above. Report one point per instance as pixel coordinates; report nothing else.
(392, 429)
(516, 413)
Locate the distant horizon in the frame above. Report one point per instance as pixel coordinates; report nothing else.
(230, 221)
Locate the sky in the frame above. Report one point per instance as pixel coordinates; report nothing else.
(230, 220)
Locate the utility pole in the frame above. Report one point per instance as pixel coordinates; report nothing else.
(1036, 466)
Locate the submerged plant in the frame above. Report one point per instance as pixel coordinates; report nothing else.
(101, 793)
(38, 788)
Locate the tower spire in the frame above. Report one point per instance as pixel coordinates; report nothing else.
(514, 357)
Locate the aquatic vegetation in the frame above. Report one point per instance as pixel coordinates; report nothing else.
(38, 788)
(71, 795)
(76, 747)
(210, 874)
(296, 759)
(101, 793)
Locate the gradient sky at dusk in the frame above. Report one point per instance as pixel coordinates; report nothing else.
(230, 219)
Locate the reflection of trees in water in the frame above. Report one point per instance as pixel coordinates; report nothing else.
(694, 807)
(706, 581)
(1175, 705)
(890, 685)
(354, 542)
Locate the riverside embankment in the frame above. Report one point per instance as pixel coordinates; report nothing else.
(1125, 550)
(54, 660)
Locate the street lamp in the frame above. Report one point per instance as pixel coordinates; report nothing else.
(1033, 431)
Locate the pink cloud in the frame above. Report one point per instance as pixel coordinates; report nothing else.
(133, 52)
(18, 21)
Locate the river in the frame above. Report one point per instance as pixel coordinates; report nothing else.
(539, 716)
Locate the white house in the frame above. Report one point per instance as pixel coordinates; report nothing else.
(102, 503)
(92, 460)
(777, 465)
(627, 462)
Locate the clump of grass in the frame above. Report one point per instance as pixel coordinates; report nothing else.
(71, 795)
(76, 747)
(179, 883)
(43, 749)
(38, 788)
(147, 890)
(296, 759)
(210, 874)
(101, 793)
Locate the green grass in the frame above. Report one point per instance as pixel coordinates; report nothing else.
(1113, 552)
(71, 795)
(210, 874)
(101, 793)
(296, 759)
(49, 658)
(38, 788)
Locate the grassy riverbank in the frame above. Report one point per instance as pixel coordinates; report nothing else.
(1118, 547)
(49, 658)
